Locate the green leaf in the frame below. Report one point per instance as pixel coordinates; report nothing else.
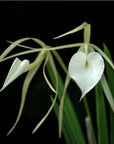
(107, 92)
(69, 112)
(110, 77)
(101, 116)
(67, 81)
(66, 128)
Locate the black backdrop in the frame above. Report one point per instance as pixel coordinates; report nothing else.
(44, 20)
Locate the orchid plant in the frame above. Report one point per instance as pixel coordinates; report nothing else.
(86, 68)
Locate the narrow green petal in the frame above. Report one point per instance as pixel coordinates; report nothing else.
(27, 47)
(36, 50)
(82, 26)
(44, 73)
(16, 43)
(102, 127)
(12, 46)
(51, 61)
(60, 61)
(26, 84)
(87, 33)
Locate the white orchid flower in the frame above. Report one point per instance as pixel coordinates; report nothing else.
(86, 70)
(18, 68)
(86, 66)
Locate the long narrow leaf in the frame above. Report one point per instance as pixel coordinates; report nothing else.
(110, 77)
(66, 128)
(69, 111)
(101, 116)
(107, 92)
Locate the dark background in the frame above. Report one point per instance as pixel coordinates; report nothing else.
(45, 20)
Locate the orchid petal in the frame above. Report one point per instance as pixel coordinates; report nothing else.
(86, 70)
(18, 68)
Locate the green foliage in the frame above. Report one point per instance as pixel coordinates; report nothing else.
(102, 128)
(110, 77)
(76, 135)
(68, 120)
(71, 126)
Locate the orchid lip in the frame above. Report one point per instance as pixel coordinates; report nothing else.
(86, 70)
